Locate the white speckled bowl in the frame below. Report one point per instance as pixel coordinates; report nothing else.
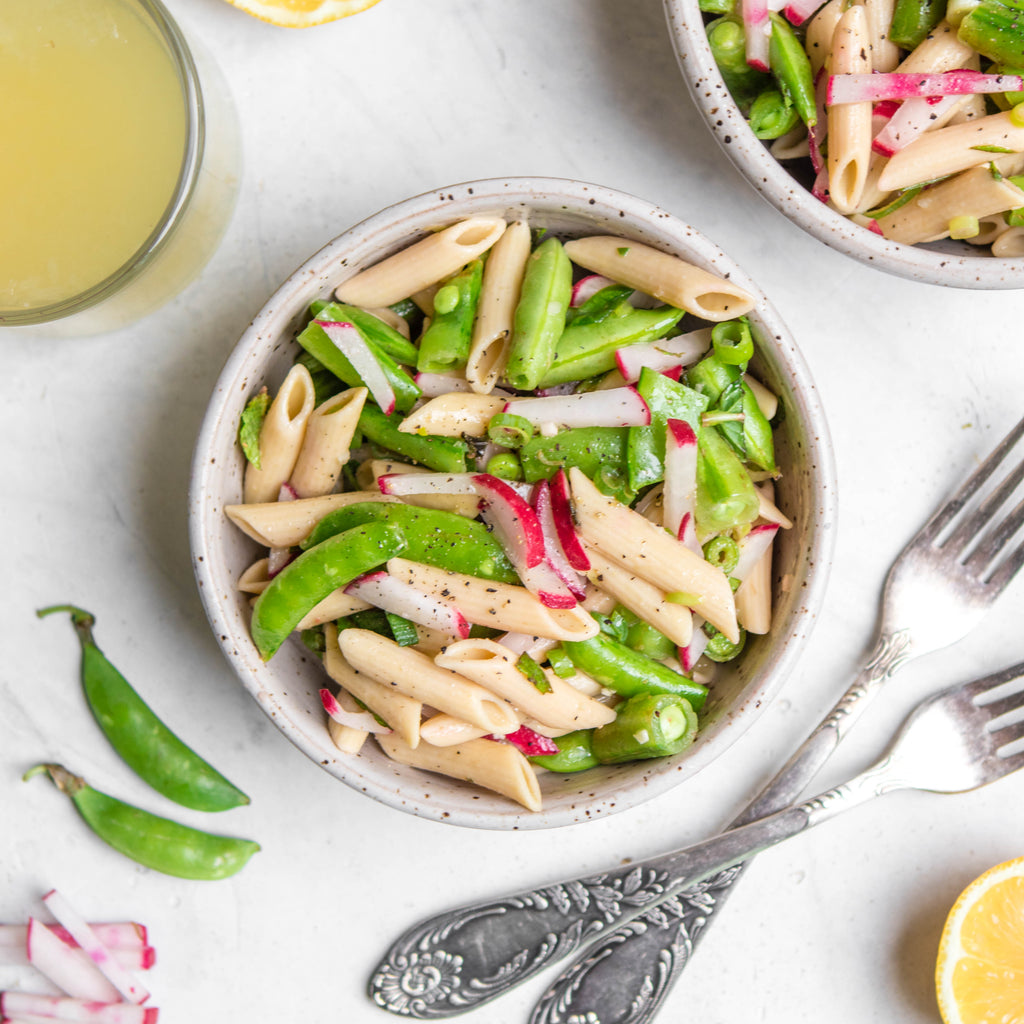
(956, 264)
(286, 687)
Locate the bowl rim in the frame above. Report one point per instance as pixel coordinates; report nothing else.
(573, 197)
(775, 184)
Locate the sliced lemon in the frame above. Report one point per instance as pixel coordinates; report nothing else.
(979, 978)
(302, 13)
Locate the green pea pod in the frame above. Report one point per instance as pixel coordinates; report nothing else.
(771, 115)
(432, 536)
(792, 70)
(711, 376)
(445, 343)
(445, 454)
(609, 301)
(574, 753)
(510, 430)
(912, 20)
(540, 315)
(315, 341)
(600, 452)
(373, 329)
(732, 342)
(148, 747)
(587, 350)
(725, 493)
(154, 842)
(619, 668)
(647, 725)
(729, 48)
(643, 637)
(305, 582)
(505, 466)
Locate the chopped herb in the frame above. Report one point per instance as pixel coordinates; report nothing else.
(993, 149)
(560, 662)
(402, 630)
(901, 200)
(622, 250)
(995, 172)
(251, 424)
(534, 673)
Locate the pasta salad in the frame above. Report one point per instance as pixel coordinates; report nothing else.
(903, 115)
(516, 492)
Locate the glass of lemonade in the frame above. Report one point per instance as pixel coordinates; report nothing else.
(119, 172)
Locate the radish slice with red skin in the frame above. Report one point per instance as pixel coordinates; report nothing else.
(402, 484)
(911, 120)
(65, 966)
(557, 389)
(531, 743)
(119, 934)
(752, 548)
(76, 925)
(816, 135)
(796, 12)
(690, 654)
(350, 343)
(433, 385)
(587, 287)
(616, 407)
(400, 598)
(756, 26)
(363, 720)
(514, 522)
(132, 958)
(556, 556)
(897, 85)
(680, 493)
(27, 1006)
(666, 354)
(549, 588)
(278, 558)
(561, 510)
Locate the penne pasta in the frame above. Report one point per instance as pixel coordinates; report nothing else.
(422, 264)
(940, 51)
(281, 437)
(885, 54)
(325, 447)
(821, 30)
(346, 738)
(494, 667)
(336, 605)
(499, 293)
(453, 415)
(767, 509)
(662, 275)
(1009, 243)
(255, 579)
(417, 676)
(498, 605)
(767, 401)
(447, 731)
(495, 766)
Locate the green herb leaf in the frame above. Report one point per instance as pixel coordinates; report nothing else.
(250, 425)
(534, 673)
(993, 149)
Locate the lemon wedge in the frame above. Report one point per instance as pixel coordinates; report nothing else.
(302, 13)
(979, 978)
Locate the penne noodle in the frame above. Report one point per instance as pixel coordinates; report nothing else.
(940, 51)
(432, 641)
(885, 54)
(498, 605)
(453, 415)
(373, 469)
(283, 524)
(849, 124)
(767, 401)
(346, 738)
(495, 766)
(417, 676)
(336, 605)
(421, 264)
(499, 294)
(662, 275)
(325, 448)
(1009, 243)
(754, 597)
(392, 319)
(989, 229)
(281, 436)
(255, 579)
(587, 685)
(641, 598)
(402, 713)
(446, 731)
(653, 554)
(494, 667)
(767, 509)
(821, 30)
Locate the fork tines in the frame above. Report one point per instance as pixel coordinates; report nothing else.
(999, 696)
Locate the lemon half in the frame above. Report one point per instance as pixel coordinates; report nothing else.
(302, 13)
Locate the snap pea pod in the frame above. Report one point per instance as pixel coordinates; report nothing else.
(510, 430)
(732, 342)
(599, 452)
(725, 493)
(373, 329)
(574, 753)
(791, 68)
(643, 637)
(540, 315)
(306, 581)
(619, 668)
(607, 302)
(315, 341)
(587, 350)
(444, 345)
(647, 725)
(442, 539)
(771, 115)
(912, 20)
(995, 28)
(154, 842)
(148, 746)
(445, 454)
(729, 48)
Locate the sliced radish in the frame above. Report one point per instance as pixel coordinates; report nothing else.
(556, 556)
(361, 720)
(816, 135)
(27, 1006)
(897, 85)
(557, 389)
(514, 522)
(433, 385)
(70, 970)
(561, 510)
(587, 287)
(910, 120)
(531, 743)
(353, 347)
(401, 598)
(126, 934)
(89, 942)
(690, 654)
(874, 226)
(666, 354)
(402, 484)
(752, 548)
(796, 12)
(757, 29)
(680, 493)
(616, 407)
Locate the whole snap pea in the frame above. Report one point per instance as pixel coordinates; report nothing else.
(540, 315)
(608, 302)
(372, 328)
(574, 753)
(647, 725)
(445, 343)
(148, 746)
(305, 582)
(772, 115)
(432, 536)
(792, 69)
(154, 842)
(445, 454)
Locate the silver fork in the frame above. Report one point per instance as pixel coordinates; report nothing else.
(935, 593)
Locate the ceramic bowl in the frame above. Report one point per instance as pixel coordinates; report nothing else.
(947, 262)
(287, 686)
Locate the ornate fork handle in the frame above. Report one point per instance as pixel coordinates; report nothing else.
(460, 959)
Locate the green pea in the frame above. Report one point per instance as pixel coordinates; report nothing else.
(505, 466)
(723, 552)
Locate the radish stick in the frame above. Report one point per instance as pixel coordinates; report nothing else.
(362, 720)
(897, 85)
(79, 929)
(666, 354)
(350, 343)
(26, 1006)
(401, 598)
(111, 933)
(617, 407)
(70, 971)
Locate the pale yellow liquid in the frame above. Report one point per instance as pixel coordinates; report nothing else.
(93, 132)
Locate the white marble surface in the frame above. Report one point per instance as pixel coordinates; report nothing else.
(96, 441)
